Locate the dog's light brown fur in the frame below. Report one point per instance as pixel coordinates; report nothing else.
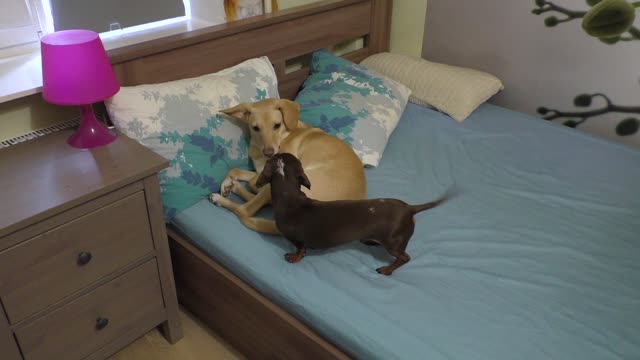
(331, 165)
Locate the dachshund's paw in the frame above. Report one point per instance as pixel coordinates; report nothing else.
(385, 270)
(215, 198)
(293, 257)
(228, 184)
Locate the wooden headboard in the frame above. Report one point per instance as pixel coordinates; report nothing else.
(281, 36)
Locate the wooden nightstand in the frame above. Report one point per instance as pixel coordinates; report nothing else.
(84, 260)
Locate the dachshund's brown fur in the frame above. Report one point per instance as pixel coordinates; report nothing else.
(323, 224)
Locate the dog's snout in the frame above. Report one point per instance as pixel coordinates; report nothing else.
(268, 151)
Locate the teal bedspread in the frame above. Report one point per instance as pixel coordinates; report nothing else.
(538, 258)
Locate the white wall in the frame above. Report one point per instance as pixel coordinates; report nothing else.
(539, 65)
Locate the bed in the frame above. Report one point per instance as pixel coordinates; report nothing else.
(537, 257)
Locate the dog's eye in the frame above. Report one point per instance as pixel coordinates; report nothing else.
(277, 126)
(256, 129)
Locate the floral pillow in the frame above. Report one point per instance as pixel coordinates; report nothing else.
(353, 103)
(180, 120)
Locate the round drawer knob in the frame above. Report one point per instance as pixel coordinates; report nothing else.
(84, 258)
(101, 323)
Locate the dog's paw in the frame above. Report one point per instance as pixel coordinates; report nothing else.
(235, 183)
(227, 185)
(385, 270)
(215, 198)
(293, 257)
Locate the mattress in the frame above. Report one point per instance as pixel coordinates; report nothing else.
(537, 258)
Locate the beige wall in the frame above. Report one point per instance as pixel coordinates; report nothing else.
(30, 113)
(407, 26)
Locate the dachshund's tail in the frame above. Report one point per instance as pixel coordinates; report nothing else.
(451, 193)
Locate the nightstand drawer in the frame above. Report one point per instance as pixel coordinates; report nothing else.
(97, 318)
(51, 266)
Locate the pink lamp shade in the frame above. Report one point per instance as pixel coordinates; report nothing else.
(76, 71)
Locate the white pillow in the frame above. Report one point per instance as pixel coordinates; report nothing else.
(454, 90)
(180, 120)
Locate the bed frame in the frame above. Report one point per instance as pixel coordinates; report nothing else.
(242, 316)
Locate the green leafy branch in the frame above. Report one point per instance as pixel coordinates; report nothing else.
(627, 126)
(610, 21)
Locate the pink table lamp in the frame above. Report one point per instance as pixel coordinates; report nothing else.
(77, 71)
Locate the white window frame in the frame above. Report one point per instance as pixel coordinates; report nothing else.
(28, 33)
(20, 69)
(45, 19)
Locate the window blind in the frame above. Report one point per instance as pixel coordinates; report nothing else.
(97, 15)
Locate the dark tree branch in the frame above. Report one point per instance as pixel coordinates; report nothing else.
(547, 6)
(552, 114)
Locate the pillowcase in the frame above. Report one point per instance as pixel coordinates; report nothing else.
(180, 121)
(456, 91)
(353, 103)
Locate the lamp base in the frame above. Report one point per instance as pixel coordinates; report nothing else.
(91, 133)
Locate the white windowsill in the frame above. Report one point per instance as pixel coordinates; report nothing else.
(21, 75)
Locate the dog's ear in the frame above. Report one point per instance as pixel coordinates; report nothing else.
(240, 111)
(290, 113)
(302, 177)
(304, 181)
(265, 175)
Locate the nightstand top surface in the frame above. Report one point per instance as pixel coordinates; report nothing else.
(43, 177)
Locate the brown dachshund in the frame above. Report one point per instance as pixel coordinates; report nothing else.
(324, 224)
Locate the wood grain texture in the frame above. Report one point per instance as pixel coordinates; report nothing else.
(45, 269)
(380, 36)
(171, 327)
(223, 301)
(247, 320)
(209, 50)
(73, 213)
(128, 335)
(70, 333)
(275, 41)
(199, 343)
(63, 302)
(170, 43)
(60, 177)
(8, 346)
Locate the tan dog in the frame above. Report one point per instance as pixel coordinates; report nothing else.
(331, 165)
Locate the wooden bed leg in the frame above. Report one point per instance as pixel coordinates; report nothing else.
(171, 328)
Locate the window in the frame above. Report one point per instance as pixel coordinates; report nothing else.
(22, 22)
(107, 15)
(18, 25)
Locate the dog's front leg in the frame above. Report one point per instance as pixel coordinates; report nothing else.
(301, 251)
(246, 211)
(235, 175)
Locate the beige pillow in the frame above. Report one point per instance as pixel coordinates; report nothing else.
(456, 91)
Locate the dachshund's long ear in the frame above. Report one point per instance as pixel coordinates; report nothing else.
(302, 177)
(290, 113)
(265, 175)
(241, 111)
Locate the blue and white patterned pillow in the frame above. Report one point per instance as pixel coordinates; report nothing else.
(353, 103)
(180, 120)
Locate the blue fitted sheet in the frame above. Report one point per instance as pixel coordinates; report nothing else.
(538, 258)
